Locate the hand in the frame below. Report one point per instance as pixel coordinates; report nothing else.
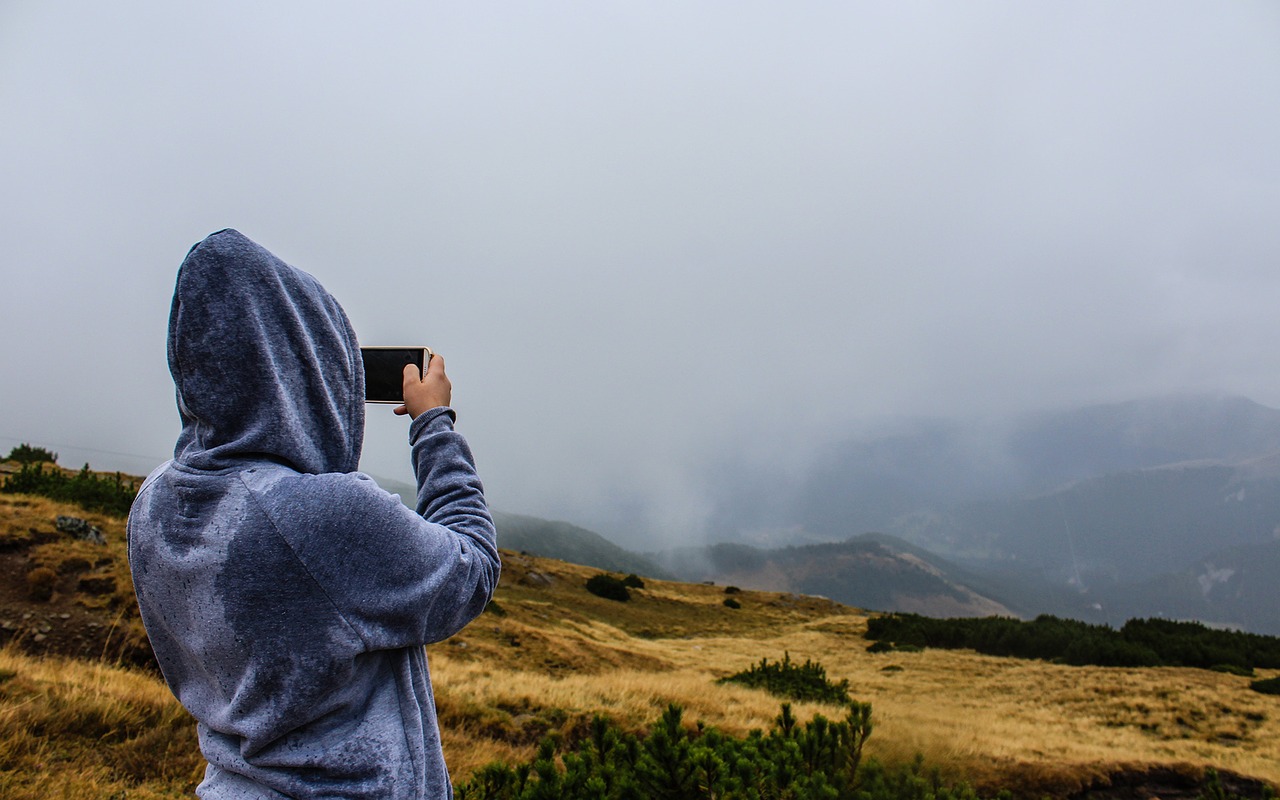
(426, 392)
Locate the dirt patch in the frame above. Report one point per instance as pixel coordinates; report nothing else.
(1171, 783)
(79, 605)
(65, 624)
(1147, 782)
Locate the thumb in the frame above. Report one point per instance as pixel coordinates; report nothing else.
(411, 374)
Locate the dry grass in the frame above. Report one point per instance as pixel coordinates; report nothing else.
(1030, 725)
(81, 730)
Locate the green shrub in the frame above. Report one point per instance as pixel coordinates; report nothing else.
(1232, 669)
(608, 587)
(820, 759)
(1140, 643)
(729, 602)
(633, 581)
(785, 678)
(109, 495)
(1267, 686)
(731, 590)
(26, 454)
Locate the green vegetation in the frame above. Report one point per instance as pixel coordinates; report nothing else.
(1139, 643)
(785, 678)
(821, 760)
(633, 581)
(729, 602)
(26, 454)
(90, 491)
(609, 587)
(1268, 686)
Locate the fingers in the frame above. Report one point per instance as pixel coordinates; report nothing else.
(435, 365)
(400, 411)
(423, 392)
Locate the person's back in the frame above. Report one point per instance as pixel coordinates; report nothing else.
(286, 596)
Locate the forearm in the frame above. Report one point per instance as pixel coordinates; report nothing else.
(450, 493)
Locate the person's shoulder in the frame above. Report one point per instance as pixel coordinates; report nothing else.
(313, 493)
(276, 477)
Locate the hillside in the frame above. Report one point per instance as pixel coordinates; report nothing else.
(871, 571)
(1233, 586)
(552, 539)
(1095, 512)
(566, 542)
(548, 655)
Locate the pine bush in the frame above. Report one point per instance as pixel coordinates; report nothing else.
(785, 678)
(821, 759)
(26, 454)
(608, 587)
(112, 495)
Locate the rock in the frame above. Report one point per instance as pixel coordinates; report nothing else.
(79, 528)
(537, 579)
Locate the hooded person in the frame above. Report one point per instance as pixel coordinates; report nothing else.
(286, 596)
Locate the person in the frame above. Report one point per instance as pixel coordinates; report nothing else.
(286, 596)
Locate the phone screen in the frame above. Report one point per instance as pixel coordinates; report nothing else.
(384, 371)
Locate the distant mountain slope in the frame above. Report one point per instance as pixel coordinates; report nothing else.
(570, 543)
(1121, 527)
(1235, 586)
(1063, 512)
(873, 572)
(550, 539)
(887, 482)
(1098, 440)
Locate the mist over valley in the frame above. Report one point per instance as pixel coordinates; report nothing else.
(1162, 507)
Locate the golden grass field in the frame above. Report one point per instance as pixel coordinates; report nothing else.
(549, 655)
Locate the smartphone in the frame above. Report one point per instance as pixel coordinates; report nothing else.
(384, 371)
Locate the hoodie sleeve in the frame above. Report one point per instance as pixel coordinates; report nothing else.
(401, 578)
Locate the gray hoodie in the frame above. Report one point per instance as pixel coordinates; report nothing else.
(288, 597)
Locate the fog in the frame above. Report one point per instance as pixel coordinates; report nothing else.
(655, 242)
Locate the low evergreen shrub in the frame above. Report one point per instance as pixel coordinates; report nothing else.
(633, 581)
(609, 587)
(1232, 669)
(729, 602)
(1139, 643)
(112, 495)
(785, 678)
(820, 759)
(26, 454)
(1267, 686)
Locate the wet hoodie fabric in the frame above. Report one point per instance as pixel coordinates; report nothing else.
(288, 597)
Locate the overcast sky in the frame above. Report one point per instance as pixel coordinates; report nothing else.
(647, 235)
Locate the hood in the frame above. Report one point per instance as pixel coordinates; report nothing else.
(265, 363)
